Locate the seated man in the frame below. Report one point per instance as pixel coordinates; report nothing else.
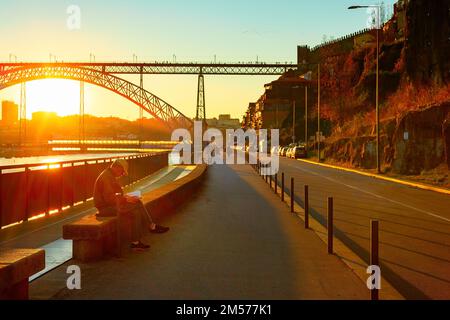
(110, 200)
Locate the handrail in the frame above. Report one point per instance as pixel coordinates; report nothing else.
(62, 163)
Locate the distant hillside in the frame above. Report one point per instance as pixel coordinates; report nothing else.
(95, 128)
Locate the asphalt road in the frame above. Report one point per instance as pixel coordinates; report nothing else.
(414, 224)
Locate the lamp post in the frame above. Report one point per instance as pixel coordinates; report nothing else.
(378, 24)
(318, 112)
(293, 113)
(293, 120)
(306, 118)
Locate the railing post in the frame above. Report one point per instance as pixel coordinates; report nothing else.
(72, 178)
(1, 199)
(330, 225)
(27, 193)
(374, 252)
(292, 195)
(61, 187)
(306, 207)
(47, 213)
(282, 186)
(85, 169)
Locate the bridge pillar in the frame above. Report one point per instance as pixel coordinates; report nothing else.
(141, 110)
(201, 106)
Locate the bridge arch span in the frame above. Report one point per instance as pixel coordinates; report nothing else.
(155, 106)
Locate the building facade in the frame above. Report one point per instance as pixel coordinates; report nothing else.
(10, 113)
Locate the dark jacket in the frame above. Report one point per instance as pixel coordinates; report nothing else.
(108, 193)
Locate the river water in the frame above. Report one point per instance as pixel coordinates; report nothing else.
(173, 159)
(59, 158)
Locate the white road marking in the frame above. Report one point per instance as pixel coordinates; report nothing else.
(372, 194)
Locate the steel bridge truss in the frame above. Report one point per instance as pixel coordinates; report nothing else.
(158, 108)
(168, 68)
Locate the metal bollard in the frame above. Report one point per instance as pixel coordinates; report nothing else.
(282, 187)
(276, 183)
(306, 207)
(330, 225)
(374, 253)
(292, 195)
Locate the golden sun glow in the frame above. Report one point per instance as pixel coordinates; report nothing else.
(53, 95)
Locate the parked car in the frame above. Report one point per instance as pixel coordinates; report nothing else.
(299, 152)
(289, 152)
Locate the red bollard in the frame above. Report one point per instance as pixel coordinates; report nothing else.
(330, 225)
(306, 207)
(374, 253)
(292, 195)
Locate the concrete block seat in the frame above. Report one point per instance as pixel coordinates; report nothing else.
(16, 266)
(94, 237)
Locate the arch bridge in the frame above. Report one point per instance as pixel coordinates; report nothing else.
(106, 75)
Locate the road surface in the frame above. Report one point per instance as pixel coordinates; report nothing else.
(414, 224)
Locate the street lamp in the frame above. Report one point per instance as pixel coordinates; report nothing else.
(318, 113)
(378, 23)
(293, 113)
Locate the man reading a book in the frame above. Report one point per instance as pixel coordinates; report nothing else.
(110, 201)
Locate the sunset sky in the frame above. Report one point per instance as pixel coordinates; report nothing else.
(156, 30)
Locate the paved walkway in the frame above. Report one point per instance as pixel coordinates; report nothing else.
(46, 233)
(234, 240)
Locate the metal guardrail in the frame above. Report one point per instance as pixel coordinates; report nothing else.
(33, 190)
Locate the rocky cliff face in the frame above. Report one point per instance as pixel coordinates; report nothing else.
(428, 40)
(414, 95)
(419, 141)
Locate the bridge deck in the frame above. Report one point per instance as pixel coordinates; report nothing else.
(234, 240)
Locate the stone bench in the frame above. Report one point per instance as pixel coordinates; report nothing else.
(16, 266)
(94, 237)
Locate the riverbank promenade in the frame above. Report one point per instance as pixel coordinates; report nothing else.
(234, 239)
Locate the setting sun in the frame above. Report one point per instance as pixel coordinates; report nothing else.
(53, 95)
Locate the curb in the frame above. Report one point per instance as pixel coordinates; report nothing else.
(168, 198)
(380, 177)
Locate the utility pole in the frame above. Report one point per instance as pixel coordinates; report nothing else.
(306, 118)
(377, 87)
(293, 120)
(377, 95)
(318, 112)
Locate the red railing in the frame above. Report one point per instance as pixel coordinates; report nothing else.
(28, 191)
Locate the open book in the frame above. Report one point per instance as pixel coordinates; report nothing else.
(137, 194)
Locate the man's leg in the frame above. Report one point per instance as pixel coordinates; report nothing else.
(145, 216)
(147, 220)
(131, 211)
